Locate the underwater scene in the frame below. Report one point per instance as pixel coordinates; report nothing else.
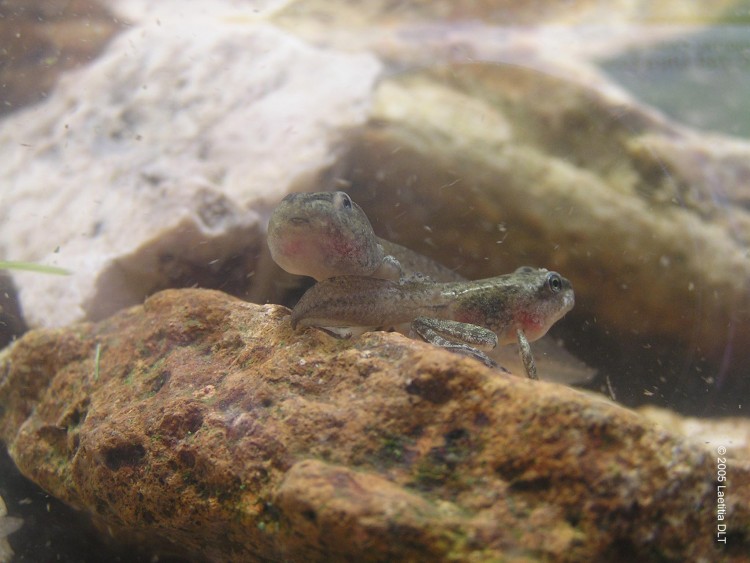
(321, 280)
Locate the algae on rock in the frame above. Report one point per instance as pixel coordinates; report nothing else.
(213, 430)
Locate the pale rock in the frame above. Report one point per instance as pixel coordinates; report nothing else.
(159, 160)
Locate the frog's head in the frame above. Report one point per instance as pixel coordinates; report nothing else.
(322, 235)
(548, 297)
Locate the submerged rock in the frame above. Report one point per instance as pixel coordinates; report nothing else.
(152, 167)
(168, 151)
(40, 40)
(205, 426)
(487, 167)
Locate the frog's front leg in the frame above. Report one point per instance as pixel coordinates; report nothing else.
(457, 337)
(524, 349)
(389, 269)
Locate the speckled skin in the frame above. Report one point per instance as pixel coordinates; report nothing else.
(528, 299)
(324, 235)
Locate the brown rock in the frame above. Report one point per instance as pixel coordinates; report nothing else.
(731, 433)
(208, 428)
(487, 167)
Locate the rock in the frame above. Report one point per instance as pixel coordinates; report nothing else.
(732, 433)
(166, 167)
(487, 167)
(204, 426)
(52, 530)
(165, 153)
(40, 40)
(439, 31)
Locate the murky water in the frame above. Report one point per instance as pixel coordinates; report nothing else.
(482, 145)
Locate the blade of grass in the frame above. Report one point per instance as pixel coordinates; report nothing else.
(33, 267)
(97, 355)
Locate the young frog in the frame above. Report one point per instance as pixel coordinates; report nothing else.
(324, 235)
(460, 316)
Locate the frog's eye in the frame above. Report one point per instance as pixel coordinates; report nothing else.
(344, 200)
(554, 282)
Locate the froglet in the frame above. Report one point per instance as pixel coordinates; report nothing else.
(520, 306)
(324, 235)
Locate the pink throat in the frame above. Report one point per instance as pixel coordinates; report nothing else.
(531, 325)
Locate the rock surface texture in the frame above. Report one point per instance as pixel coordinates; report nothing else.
(204, 426)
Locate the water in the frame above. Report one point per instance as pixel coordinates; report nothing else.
(483, 146)
(702, 80)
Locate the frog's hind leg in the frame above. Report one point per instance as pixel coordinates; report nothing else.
(457, 337)
(469, 334)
